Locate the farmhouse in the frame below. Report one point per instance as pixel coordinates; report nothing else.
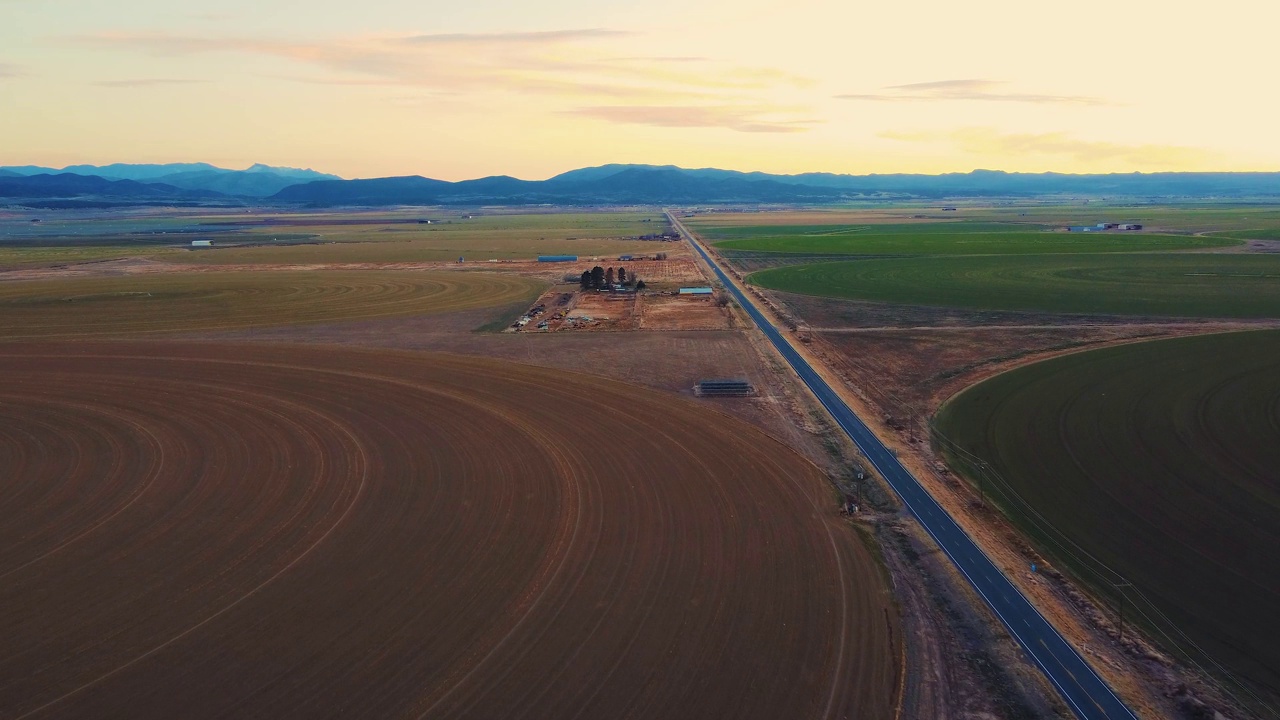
(1104, 226)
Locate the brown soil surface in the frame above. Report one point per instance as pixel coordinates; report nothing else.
(294, 531)
(673, 312)
(663, 360)
(831, 314)
(607, 311)
(904, 372)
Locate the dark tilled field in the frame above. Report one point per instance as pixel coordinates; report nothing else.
(1159, 460)
(217, 530)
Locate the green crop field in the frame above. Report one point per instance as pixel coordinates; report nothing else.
(175, 302)
(1003, 217)
(975, 243)
(1158, 460)
(1181, 218)
(1187, 285)
(1257, 234)
(940, 238)
(719, 234)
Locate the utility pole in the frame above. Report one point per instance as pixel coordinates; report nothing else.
(982, 480)
(1120, 604)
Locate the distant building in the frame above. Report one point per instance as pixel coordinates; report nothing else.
(1082, 228)
(201, 243)
(557, 258)
(626, 257)
(1130, 226)
(696, 291)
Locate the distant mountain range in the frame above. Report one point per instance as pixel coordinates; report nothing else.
(649, 184)
(70, 190)
(604, 185)
(259, 181)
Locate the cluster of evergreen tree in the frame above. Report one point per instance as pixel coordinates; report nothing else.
(598, 278)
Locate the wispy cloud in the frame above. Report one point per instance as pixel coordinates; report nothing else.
(990, 143)
(973, 90)
(9, 70)
(742, 119)
(507, 38)
(572, 63)
(146, 82)
(664, 59)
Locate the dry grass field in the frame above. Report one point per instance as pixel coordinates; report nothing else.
(266, 237)
(168, 302)
(287, 531)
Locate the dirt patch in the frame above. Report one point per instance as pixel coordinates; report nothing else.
(832, 314)
(663, 360)
(674, 312)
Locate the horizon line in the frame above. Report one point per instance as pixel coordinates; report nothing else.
(976, 170)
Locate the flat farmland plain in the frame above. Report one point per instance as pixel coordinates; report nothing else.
(956, 238)
(173, 302)
(301, 238)
(210, 530)
(1158, 460)
(1177, 285)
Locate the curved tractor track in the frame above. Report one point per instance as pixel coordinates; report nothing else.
(174, 302)
(201, 530)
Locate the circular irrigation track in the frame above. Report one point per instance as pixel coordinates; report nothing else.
(212, 530)
(169, 302)
(1154, 464)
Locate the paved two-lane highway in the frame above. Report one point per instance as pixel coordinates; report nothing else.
(1086, 693)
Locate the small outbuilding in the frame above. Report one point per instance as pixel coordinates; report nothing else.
(557, 258)
(723, 388)
(696, 291)
(201, 243)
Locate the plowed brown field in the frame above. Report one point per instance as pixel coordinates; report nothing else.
(210, 530)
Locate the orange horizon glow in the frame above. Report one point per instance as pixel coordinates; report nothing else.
(394, 88)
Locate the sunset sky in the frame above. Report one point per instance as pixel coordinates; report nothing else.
(458, 90)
